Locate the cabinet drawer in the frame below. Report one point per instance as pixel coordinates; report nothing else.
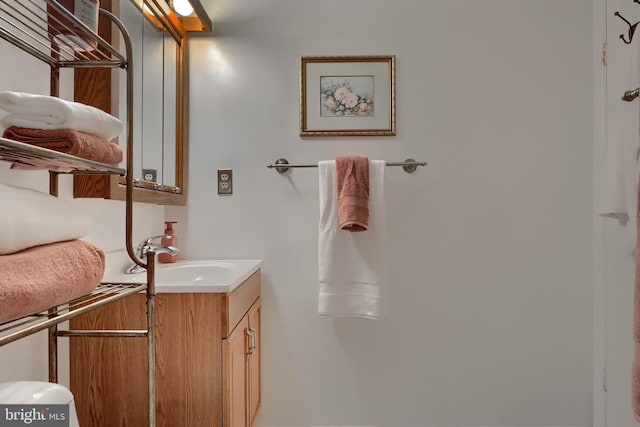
(239, 301)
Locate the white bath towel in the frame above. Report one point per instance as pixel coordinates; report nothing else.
(352, 266)
(47, 112)
(32, 218)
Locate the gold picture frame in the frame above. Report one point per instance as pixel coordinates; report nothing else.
(347, 96)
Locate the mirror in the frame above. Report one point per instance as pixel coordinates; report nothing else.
(158, 105)
(155, 103)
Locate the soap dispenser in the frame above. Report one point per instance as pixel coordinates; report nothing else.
(170, 239)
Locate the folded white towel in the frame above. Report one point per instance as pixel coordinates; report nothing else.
(31, 218)
(48, 112)
(352, 266)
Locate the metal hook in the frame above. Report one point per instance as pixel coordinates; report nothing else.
(632, 27)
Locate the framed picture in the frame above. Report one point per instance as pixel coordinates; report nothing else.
(347, 96)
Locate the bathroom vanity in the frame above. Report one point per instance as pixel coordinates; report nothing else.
(208, 358)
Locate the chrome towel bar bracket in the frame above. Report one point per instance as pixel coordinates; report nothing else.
(630, 95)
(283, 166)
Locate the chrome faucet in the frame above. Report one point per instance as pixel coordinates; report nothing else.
(144, 247)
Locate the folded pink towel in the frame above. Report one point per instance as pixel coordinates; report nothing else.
(352, 189)
(68, 141)
(44, 276)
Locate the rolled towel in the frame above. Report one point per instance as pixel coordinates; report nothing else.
(68, 141)
(48, 112)
(45, 276)
(352, 189)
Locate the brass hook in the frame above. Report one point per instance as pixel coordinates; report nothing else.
(632, 27)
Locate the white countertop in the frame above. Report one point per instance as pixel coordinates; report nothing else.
(240, 270)
(186, 276)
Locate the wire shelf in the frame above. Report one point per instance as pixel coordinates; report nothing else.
(104, 294)
(35, 26)
(41, 158)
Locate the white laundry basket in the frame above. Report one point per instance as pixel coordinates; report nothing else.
(38, 393)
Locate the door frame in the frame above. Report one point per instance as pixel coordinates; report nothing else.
(599, 256)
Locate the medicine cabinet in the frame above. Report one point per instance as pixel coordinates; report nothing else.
(159, 103)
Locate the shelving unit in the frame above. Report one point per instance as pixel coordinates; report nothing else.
(29, 155)
(26, 25)
(105, 293)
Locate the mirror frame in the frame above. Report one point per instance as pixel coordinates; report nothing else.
(94, 86)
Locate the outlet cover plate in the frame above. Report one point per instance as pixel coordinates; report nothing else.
(150, 175)
(225, 182)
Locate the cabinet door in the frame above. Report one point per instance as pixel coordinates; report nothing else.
(254, 362)
(236, 348)
(112, 389)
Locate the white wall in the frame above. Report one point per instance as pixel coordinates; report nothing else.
(490, 317)
(27, 359)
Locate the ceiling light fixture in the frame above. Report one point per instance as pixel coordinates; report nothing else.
(184, 15)
(182, 7)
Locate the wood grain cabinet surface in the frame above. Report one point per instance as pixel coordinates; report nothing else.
(241, 360)
(208, 361)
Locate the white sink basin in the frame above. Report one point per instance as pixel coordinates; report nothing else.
(195, 275)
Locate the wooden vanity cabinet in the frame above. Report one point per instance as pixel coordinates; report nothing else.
(241, 360)
(207, 361)
(255, 367)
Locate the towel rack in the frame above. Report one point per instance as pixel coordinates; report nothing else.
(409, 165)
(630, 95)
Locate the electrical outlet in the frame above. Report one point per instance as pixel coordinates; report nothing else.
(225, 181)
(149, 175)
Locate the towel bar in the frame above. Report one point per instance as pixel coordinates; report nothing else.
(282, 166)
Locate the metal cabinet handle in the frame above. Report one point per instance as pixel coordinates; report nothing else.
(250, 349)
(252, 333)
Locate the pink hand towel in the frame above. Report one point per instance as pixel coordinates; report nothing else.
(352, 189)
(68, 141)
(41, 277)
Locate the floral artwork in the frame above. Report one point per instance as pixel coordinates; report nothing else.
(346, 96)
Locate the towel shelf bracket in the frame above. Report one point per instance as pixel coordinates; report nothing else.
(282, 166)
